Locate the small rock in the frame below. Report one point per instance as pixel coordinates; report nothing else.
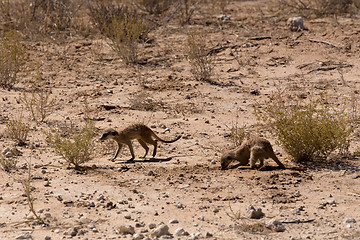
(254, 213)
(47, 237)
(295, 23)
(173, 221)
(26, 235)
(161, 230)
(138, 236)
(127, 216)
(208, 234)
(152, 225)
(126, 229)
(275, 225)
(181, 232)
(151, 173)
(71, 232)
(350, 220)
(179, 205)
(91, 204)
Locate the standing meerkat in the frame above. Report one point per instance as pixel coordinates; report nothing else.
(139, 132)
(251, 151)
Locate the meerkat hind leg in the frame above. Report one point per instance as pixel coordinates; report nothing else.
(143, 144)
(131, 151)
(149, 140)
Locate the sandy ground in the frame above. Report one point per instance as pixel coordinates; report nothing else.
(184, 182)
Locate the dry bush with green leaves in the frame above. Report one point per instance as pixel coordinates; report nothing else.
(201, 61)
(12, 58)
(39, 101)
(76, 146)
(321, 7)
(307, 129)
(18, 130)
(8, 163)
(125, 35)
(238, 134)
(40, 104)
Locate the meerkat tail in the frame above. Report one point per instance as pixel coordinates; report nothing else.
(164, 141)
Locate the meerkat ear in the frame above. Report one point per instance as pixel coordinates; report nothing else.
(228, 157)
(113, 133)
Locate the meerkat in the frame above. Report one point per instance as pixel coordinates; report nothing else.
(139, 132)
(251, 151)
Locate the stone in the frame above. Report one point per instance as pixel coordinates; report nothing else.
(275, 225)
(173, 221)
(152, 225)
(26, 235)
(161, 230)
(126, 229)
(254, 213)
(295, 24)
(181, 232)
(71, 232)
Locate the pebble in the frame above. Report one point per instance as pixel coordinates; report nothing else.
(254, 213)
(160, 231)
(126, 229)
(138, 236)
(295, 23)
(350, 220)
(181, 232)
(179, 205)
(26, 235)
(47, 237)
(152, 225)
(71, 232)
(275, 225)
(173, 221)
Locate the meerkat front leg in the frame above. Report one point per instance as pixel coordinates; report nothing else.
(256, 153)
(117, 152)
(131, 151)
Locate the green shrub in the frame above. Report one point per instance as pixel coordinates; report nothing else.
(12, 59)
(75, 146)
(307, 130)
(198, 56)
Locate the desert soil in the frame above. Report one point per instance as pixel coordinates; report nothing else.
(261, 58)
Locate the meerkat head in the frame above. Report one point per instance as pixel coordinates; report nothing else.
(226, 159)
(109, 134)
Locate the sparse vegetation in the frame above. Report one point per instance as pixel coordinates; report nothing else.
(156, 7)
(18, 131)
(322, 7)
(76, 146)
(39, 102)
(12, 55)
(198, 56)
(307, 130)
(8, 163)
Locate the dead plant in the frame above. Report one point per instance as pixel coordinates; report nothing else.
(12, 58)
(18, 130)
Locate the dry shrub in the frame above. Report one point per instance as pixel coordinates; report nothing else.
(8, 163)
(307, 130)
(76, 146)
(18, 131)
(12, 58)
(123, 26)
(198, 56)
(125, 35)
(36, 18)
(156, 7)
(321, 7)
(238, 134)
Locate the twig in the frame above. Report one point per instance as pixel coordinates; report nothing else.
(299, 221)
(324, 42)
(322, 69)
(260, 38)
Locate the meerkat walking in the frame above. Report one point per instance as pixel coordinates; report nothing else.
(251, 151)
(139, 132)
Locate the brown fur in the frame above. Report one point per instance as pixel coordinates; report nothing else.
(251, 151)
(139, 132)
